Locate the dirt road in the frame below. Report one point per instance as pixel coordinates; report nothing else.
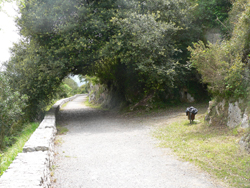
(106, 150)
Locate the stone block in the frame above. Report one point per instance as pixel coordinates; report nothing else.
(245, 143)
(48, 123)
(52, 113)
(190, 98)
(209, 110)
(213, 35)
(220, 107)
(27, 170)
(245, 120)
(234, 115)
(40, 140)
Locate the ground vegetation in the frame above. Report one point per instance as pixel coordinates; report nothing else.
(11, 115)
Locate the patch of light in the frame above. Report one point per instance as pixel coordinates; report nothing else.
(77, 80)
(8, 30)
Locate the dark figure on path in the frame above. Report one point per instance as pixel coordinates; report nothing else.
(190, 112)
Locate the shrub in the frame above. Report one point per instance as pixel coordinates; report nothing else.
(63, 91)
(11, 105)
(225, 66)
(221, 68)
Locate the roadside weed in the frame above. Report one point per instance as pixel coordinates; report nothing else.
(10, 153)
(213, 148)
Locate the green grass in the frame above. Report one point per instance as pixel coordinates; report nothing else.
(48, 107)
(58, 141)
(213, 148)
(10, 153)
(61, 130)
(65, 104)
(91, 105)
(140, 112)
(52, 103)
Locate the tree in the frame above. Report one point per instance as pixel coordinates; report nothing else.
(225, 66)
(83, 89)
(34, 75)
(71, 83)
(72, 37)
(144, 47)
(211, 13)
(64, 91)
(135, 48)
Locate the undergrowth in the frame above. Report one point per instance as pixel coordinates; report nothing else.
(213, 148)
(91, 105)
(10, 153)
(61, 130)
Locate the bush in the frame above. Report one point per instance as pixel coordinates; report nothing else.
(64, 91)
(225, 66)
(221, 68)
(208, 12)
(72, 84)
(11, 105)
(83, 89)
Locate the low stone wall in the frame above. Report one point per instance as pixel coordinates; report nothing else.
(31, 168)
(233, 114)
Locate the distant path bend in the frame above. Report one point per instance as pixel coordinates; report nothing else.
(104, 150)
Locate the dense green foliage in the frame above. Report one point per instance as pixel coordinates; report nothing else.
(67, 88)
(225, 66)
(11, 104)
(64, 91)
(31, 74)
(147, 53)
(83, 89)
(212, 13)
(72, 84)
(135, 48)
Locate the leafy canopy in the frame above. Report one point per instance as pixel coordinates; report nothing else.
(134, 47)
(225, 66)
(11, 104)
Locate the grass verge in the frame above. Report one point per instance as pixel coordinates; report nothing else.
(10, 153)
(213, 148)
(61, 130)
(91, 105)
(65, 104)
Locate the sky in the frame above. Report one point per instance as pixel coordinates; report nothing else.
(8, 30)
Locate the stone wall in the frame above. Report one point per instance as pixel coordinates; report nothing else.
(186, 97)
(31, 168)
(232, 114)
(213, 35)
(107, 98)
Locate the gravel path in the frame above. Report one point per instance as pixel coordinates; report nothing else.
(105, 150)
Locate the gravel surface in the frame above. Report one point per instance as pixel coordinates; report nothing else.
(106, 150)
